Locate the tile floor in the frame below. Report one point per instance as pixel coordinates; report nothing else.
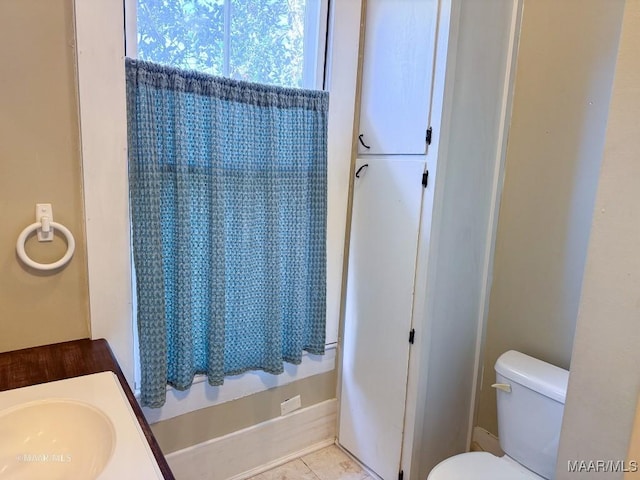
(330, 463)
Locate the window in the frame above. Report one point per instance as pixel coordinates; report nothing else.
(101, 86)
(279, 42)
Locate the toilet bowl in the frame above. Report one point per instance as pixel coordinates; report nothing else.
(481, 466)
(530, 395)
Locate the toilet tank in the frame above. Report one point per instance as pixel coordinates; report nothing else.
(530, 415)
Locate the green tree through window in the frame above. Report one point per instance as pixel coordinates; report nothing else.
(254, 40)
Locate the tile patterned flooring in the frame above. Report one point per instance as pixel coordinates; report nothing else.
(330, 463)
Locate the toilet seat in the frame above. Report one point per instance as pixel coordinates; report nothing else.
(480, 466)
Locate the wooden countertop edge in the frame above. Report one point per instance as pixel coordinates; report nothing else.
(49, 363)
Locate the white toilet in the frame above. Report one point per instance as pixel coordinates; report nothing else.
(531, 396)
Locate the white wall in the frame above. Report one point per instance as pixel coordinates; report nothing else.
(450, 307)
(605, 366)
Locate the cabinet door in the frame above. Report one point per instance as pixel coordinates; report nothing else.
(384, 237)
(397, 75)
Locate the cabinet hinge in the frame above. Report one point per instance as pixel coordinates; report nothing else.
(425, 178)
(412, 335)
(428, 136)
(400, 475)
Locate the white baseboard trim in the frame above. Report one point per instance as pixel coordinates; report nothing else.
(253, 450)
(487, 441)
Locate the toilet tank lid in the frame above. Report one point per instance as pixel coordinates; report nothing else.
(539, 376)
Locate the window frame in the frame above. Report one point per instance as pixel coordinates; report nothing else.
(315, 70)
(103, 142)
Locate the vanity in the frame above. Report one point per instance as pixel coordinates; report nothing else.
(66, 411)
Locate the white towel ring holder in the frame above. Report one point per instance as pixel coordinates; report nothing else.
(22, 238)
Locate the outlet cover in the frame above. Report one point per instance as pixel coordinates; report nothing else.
(290, 405)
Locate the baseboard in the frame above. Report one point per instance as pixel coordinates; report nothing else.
(485, 441)
(253, 450)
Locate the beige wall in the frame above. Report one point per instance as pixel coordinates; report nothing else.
(199, 426)
(39, 162)
(564, 74)
(605, 366)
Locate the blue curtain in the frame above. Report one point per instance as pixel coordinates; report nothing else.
(228, 195)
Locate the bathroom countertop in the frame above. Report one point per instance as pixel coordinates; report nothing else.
(49, 363)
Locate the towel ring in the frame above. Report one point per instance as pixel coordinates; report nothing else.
(22, 238)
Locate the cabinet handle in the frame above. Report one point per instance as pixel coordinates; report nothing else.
(360, 169)
(362, 141)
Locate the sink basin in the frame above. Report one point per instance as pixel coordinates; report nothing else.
(55, 439)
(78, 428)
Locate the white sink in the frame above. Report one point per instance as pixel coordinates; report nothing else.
(55, 439)
(79, 428)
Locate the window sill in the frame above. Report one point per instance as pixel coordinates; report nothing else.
(202, 395)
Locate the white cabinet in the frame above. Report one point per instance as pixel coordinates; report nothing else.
(387, 200)
(397, 76)
(386, 216)
(419, 258)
